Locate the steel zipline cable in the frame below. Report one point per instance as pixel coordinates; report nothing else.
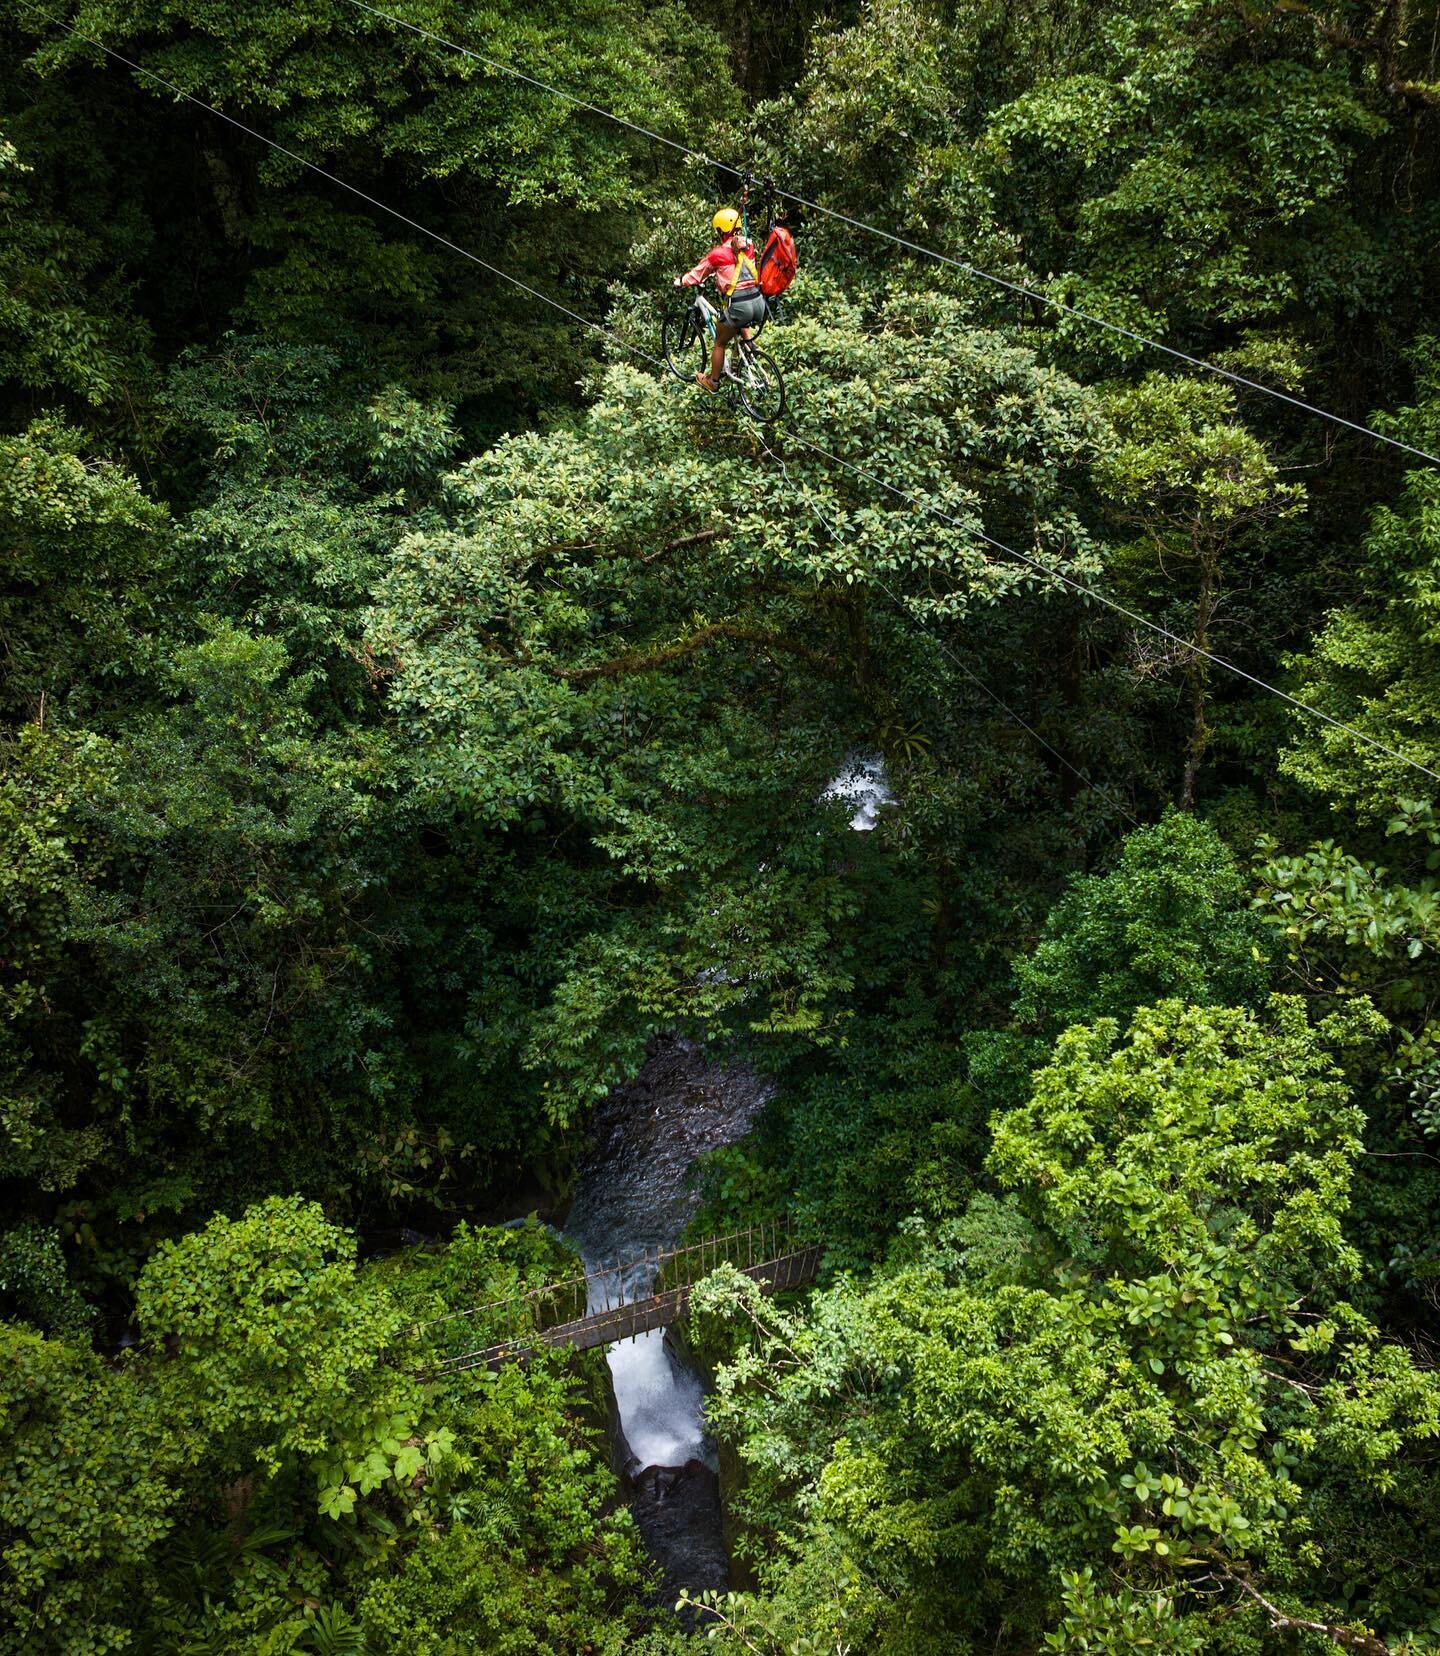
(965, 668)
(1022, 289)
(353, 189)
(859, 471)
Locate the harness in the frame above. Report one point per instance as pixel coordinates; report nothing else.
(746, 276)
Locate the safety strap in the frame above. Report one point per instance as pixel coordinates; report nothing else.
(741, 260)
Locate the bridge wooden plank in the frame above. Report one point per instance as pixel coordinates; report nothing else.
(639, 1317)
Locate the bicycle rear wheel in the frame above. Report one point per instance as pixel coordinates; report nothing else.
(762, 390)
(684, 343)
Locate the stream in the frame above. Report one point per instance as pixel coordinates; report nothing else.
(632, 1197)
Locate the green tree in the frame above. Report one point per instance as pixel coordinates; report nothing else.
(86, 575)
(1137, 1367)
(275, 1355)
(57, 333)
(36, 1284)
(1169, 920)
(1372, 665)
(88, 1491)
(1192, 479)
(685, 757)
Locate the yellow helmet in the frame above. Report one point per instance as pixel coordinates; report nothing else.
(726, 220)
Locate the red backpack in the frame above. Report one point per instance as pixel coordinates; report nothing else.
(777, 262)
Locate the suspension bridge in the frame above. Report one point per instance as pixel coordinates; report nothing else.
(613, 1301)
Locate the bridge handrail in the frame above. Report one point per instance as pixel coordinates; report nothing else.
(790, 1270)
(770, 1232)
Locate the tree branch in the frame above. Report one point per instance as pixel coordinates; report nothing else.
(1344, 1636)
(684, 541)
(644, 661)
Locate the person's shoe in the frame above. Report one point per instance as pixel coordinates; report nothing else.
(712, 386)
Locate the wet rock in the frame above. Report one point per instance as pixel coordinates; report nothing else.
(678, 1511)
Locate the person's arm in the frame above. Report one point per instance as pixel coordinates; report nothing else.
(711, 262)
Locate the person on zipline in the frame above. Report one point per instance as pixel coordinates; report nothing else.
(731, 262)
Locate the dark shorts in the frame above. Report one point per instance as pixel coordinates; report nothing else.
(746, 313)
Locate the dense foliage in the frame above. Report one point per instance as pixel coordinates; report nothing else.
(414, 704)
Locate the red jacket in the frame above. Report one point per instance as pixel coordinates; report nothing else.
(719, 262)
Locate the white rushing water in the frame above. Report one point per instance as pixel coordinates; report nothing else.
(661, 1402)
(862, 782)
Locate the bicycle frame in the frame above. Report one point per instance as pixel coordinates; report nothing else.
(711, 315)
(757, 380)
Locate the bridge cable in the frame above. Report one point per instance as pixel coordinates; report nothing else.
(638, 350)
(964, 265)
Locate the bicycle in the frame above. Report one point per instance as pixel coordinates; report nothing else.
(688, 335)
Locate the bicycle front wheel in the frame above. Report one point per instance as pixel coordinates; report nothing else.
(762, 391)
(684, 344)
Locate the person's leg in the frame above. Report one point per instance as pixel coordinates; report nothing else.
(723, 335)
